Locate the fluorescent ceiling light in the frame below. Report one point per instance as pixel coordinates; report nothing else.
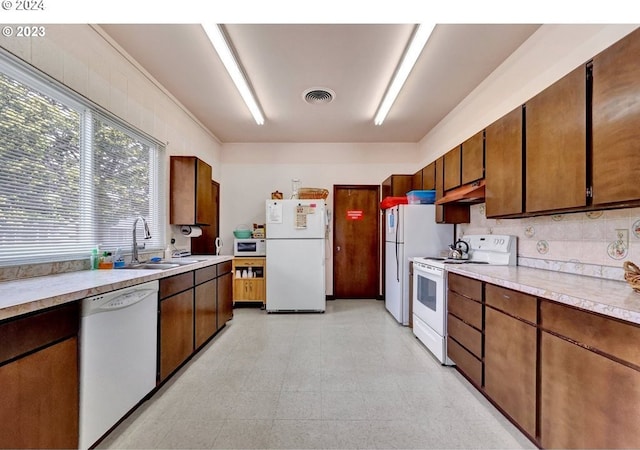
(418, 41)
(229, 60)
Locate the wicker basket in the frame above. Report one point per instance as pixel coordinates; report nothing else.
(312, 193)
(632, 275)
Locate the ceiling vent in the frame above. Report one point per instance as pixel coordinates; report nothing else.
(318, 96)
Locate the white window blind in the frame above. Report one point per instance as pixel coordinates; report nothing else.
(70, 176)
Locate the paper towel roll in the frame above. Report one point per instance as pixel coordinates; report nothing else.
(190, 231)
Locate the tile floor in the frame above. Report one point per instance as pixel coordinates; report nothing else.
(349, 378)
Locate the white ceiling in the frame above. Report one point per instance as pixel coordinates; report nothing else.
(355, 61)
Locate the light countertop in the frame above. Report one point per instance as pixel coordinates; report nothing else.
(32, 294)
(607, 297)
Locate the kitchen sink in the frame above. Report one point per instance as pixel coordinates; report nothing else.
(153, 265)
(181, 261)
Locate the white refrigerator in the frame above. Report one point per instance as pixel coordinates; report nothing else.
(410, 230)
(295, 270)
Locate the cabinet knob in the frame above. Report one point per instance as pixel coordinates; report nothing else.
(338, 248)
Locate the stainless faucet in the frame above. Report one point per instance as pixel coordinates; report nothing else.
(147, 235)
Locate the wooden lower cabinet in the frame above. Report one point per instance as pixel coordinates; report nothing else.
(250, 286)
(464, 326)
(587, 400)
(176, 331)
(225, 298)
(206, 311)
(39, 399)
(39, 379)
(589, 380)
(510, 367)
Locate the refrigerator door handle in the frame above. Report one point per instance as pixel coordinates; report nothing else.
(397, 256)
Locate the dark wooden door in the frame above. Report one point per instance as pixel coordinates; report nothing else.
(356, 241)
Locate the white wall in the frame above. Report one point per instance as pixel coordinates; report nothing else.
(251, 172)
(87, 61)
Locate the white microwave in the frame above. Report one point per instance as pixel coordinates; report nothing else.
(249, 247)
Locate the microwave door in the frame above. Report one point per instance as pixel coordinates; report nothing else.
(247, 247)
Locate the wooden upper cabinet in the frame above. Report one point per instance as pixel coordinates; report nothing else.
(452, 213)
(556, 142)
(616, 119)
(452, 169)
(416, 181)
(396, 186)
(190, 191)
(504, 158)
(472, 156)
(429, 177)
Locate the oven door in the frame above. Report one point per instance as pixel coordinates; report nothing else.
(429, 297)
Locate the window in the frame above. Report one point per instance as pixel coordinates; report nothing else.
(71, 177)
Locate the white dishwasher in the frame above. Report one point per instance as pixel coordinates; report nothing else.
(118, 351)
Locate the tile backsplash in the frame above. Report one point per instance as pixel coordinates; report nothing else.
(594, 243)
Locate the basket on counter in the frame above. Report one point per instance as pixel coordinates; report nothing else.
(312, 193)
(632, 275)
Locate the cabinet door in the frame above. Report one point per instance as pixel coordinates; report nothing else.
(504, 157)
(616, 115)
(510, 367)
(429, 177)
(204, 194)
(40, 399)
(587, 400)
(176, 331)
(190, 191)
(400, 185)
(452, 169)
(225, 299)
(472, 155)
(457, 213)
(556, 155)
(416, 181)
(205, 311)
(206, 243)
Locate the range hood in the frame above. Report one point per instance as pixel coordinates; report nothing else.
(469, 193)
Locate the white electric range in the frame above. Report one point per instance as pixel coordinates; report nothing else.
(430, 286)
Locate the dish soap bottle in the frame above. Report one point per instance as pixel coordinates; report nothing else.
(94, 259)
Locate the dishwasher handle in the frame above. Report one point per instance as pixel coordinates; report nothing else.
(112, 301)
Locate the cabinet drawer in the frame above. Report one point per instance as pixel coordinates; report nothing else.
(467, 336)
(19, 336)
(465, 286)
(604, 334)
(469, 311)
(205, 274)
(177, 283)
(224, 267)
(248, 262)
(518, 304)
(466, 362)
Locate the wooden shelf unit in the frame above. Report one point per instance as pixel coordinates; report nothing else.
(250, 289)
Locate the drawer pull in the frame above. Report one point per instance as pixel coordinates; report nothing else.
(506, 296)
